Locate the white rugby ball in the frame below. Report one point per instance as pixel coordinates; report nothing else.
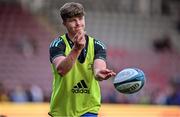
(129, 80)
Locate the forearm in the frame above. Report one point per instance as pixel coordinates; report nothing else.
(64, 65)
(98, 65)
(67, 63)
(100, 70)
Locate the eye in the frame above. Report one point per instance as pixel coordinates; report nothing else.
(71, 20)
(80, 18)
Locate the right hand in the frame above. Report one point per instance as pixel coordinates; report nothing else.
(104, 74)
(79, 40)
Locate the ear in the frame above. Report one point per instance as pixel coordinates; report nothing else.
(64, 22)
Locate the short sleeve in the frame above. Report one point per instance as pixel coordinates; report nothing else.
(56, 48)
(100, 50)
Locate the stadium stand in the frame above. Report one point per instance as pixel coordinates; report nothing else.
(24, 49)
(25, 38)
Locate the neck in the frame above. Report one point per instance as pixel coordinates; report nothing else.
(71, 36)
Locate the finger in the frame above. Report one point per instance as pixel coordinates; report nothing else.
(113, 73)
(79, 37)
(82, 33)
(76, 36)
(105, 71)
(108, 76)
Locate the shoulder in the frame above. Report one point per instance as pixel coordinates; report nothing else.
(99, 49)
(56, 42)
(99, 44)
(56, 48)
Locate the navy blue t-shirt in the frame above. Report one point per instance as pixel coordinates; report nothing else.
(57, 48)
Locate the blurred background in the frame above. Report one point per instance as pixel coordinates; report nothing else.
(138, 33)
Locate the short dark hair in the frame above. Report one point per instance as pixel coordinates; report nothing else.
(71, 9)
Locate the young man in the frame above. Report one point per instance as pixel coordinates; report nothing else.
(78, 63)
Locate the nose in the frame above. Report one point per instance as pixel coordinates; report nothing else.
(78, 22)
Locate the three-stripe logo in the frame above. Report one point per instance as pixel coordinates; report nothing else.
(81, 87)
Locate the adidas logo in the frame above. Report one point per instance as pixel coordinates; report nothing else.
(81, 87)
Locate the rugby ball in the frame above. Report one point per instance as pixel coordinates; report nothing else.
(129, 80)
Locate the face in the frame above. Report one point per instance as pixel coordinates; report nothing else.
(75, 24)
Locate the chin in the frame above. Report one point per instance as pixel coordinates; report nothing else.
(78, 29)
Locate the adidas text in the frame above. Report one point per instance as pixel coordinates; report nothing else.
(80, 91)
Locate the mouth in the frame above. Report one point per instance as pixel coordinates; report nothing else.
(78, 29)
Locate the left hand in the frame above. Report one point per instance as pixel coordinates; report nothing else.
(104, 74)
(79, 40)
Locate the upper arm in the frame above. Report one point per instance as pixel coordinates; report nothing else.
(57, 48)
(100, 56)
(100, 50)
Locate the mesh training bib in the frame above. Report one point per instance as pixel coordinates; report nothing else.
(77, 92)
